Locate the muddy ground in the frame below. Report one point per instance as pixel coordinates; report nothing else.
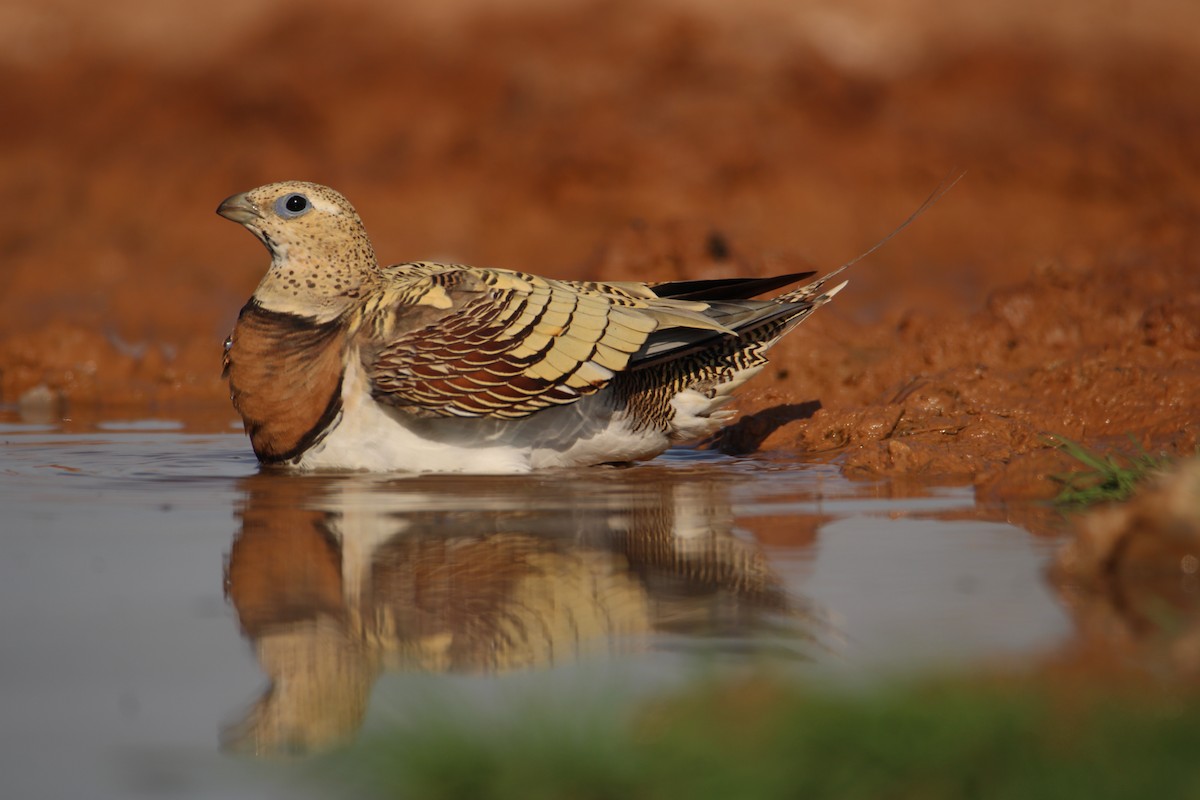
(1055, 289)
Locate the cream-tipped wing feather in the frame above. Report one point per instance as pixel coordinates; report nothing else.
(450, 340)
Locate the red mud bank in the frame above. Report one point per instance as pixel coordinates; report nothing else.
(1056, 289)
(1096, 353)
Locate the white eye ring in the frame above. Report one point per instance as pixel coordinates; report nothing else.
(292, 205)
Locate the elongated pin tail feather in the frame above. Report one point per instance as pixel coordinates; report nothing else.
(946, 185)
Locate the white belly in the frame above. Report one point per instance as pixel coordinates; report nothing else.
(369, 436)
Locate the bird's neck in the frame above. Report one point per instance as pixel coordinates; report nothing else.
(320, 286)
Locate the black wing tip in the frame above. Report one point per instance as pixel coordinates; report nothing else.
(726, 288)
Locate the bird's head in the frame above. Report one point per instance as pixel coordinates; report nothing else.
(321, 258)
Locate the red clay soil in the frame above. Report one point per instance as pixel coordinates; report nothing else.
(1054, 290)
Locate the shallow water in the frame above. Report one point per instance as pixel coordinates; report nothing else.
(169, 612)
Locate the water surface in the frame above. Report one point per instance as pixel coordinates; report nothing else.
(170, 613)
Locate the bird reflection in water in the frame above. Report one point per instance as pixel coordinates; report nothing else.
(336, 579)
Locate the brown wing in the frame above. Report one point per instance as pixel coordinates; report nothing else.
(506, 344)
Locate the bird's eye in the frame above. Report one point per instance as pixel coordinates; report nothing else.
(292, 205)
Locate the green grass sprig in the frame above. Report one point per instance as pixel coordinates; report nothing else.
(1109, 477)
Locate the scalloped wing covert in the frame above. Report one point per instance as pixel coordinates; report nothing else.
(450, 340)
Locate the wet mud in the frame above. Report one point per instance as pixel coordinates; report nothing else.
(1054, 290)
(1127, 574)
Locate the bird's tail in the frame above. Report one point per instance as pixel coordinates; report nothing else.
(811, 292)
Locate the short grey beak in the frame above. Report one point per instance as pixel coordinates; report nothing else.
(239, 209)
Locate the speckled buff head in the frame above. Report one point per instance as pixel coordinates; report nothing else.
(321, 257)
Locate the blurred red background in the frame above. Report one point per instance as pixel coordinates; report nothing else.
(627, 140)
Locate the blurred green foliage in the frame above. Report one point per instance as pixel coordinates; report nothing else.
(764, 739)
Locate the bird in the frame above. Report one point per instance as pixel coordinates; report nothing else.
(338, 363)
